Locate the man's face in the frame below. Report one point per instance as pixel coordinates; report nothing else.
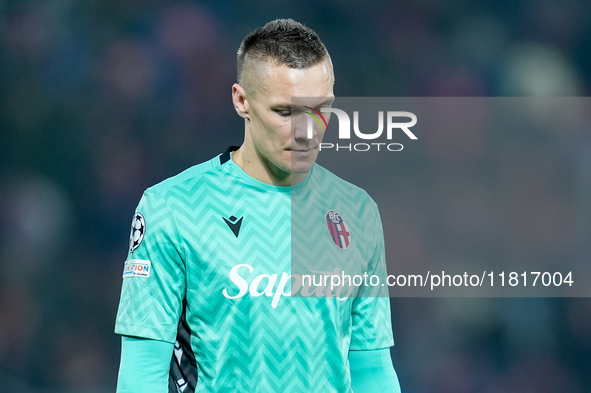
(276, 130)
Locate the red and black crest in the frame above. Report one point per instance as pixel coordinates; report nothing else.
(338, 230)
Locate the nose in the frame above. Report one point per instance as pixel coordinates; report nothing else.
(305, 127)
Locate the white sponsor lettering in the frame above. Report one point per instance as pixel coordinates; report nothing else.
(253, 287)
(267, 285)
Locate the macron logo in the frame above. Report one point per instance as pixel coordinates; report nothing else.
(234, 224)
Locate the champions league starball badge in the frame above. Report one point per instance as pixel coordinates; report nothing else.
(138, 230)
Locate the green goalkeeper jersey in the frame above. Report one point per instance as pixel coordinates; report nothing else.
(217, 265)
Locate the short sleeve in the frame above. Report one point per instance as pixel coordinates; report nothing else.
(371, 315)
(153, 275)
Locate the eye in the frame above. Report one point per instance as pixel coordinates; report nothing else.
(283, 112)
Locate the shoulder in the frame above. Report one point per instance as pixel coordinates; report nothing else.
(186, 183)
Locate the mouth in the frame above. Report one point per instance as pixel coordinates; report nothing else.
(302, 150)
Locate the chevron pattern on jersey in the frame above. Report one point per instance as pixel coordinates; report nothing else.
(248, 333)
(312, 246)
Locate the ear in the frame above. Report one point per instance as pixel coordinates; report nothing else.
(240, 101)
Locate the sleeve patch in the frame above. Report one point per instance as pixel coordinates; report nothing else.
(138, 230)
(137, 268)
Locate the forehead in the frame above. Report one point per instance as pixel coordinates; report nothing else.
(279, 83)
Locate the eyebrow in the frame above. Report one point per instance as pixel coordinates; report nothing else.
(284, 105)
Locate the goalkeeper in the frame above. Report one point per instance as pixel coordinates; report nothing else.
(205, 303)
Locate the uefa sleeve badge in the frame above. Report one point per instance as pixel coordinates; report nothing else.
(338, 230)
(138, 230)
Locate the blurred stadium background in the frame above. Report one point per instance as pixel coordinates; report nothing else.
(100, 99)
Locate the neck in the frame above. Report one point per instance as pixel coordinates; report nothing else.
(252, 166)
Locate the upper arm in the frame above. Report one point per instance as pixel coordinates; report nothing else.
(154, 276)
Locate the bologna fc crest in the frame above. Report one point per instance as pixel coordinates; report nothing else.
(138, 230)
(338, 230)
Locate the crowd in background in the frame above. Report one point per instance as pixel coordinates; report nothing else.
(101, 99)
